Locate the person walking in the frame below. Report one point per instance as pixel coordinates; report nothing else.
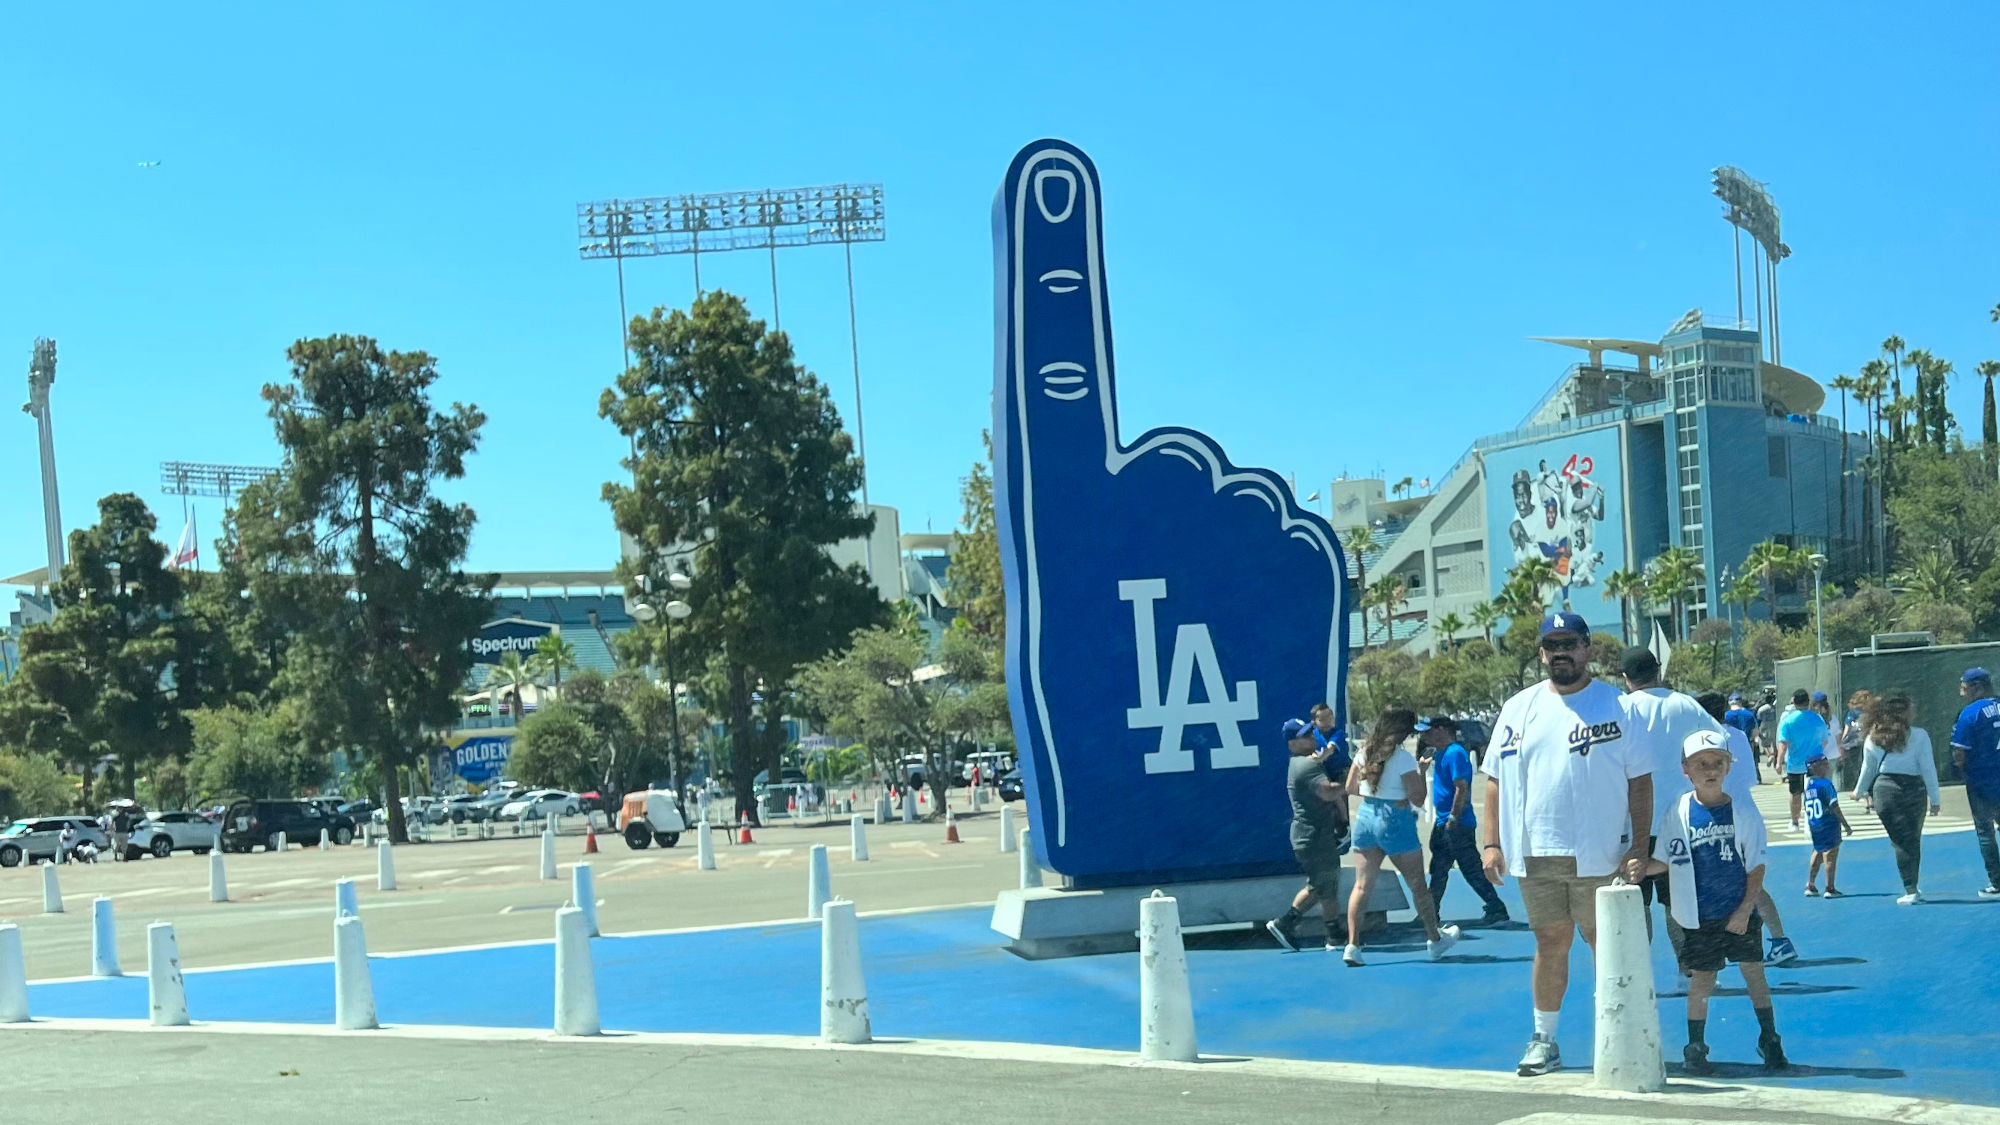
(1898, 781)
(1975, 750)
(1767, 731)
(1828, 823)
(1454, 827)
(1385, 827)
(1851, 738)
(1568, 781)
(1801, 734)
(1740, 785)
(1712, 848)
(1316, 837)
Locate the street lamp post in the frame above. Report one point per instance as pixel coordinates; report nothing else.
(1819, 618)
(676, 610)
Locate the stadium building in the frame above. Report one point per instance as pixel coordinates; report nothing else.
(1692, 441)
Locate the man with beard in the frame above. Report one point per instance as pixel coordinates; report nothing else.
(1570, 778)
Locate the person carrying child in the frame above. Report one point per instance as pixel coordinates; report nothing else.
(1828, 824)
(1712, 850)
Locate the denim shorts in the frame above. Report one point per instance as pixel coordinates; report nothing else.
(1389, 826)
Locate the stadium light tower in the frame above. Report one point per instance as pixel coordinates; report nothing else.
(41, 376)
(842, 214)
(1752, 211)
(200, 478)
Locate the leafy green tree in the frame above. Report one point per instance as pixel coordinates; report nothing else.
(240, 752)
(883, 689)
(557, 749)
(34, 785)
(1944, 502)
(121, 666)
(351, 548)
(974, 575)
(1989, 424)
(553, 656)
(1359, 542)
(1671, 577)
(741, 465)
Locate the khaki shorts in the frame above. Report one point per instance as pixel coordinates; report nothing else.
(1557, 896)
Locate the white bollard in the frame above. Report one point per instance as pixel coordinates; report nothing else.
(857, 830)
(13, 976)
(385, 867)
(909, 806)
(583, 896)
(344, 903)
(843, 1008)
(353, 990)
(1166, 1007)
(548, 856)
(1031, 872)
(325, 840)
(103, 940)
(882, 808)
(218, 879)
(166, 993)
(1007, 840)
(1628, 1055)
(704, 849)
(576, 983)
(51, 890)
(819, 881)
(279, 843)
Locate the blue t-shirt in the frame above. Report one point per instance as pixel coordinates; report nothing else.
(1333, 754)
(1452, 766)
(1719, 879)
(1742, 718)
(1820, 799)
(1804, 734)
(1978, 734)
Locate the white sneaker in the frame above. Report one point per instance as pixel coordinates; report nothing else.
(1911, 899)
(1447, 937)
(1352, 955)
(1991, 892)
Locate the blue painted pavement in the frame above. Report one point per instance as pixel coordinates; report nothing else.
(1889, 999)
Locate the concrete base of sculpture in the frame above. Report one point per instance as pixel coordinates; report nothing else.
(1044, 922)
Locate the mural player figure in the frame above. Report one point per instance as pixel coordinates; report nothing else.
(1318, 837)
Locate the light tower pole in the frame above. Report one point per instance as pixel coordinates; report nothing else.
(42, 375)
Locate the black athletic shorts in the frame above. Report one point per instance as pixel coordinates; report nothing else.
(1796, 782)
(1706, 950)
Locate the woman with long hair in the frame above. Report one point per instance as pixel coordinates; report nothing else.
(1898, 781)
(1385, 827)
(1852, 736)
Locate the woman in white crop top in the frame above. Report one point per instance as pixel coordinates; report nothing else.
(1385, 827)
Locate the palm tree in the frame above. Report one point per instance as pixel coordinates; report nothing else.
(1772, 562)
(513, 674)
(1672, 575)
(1932, 580)
(1387, 595)
(1938, 413)
(1989, 423)
(1402, 489)
(1359, 542)
(1844, 384)
(1536, 577)
(1894, 347)
(1485, 615)
(1740, 592)
(1448, 627)
(1625, 585)
(553, 656)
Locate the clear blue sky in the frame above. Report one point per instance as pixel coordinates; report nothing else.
(1328, 233)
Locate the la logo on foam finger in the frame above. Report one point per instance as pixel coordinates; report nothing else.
(1166, 610)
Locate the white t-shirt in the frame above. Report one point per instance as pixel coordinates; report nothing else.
(1391, 787)
(1562, 763)
(1667, 717)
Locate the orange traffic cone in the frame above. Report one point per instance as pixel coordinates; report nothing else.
(590, 839)
(951, 828)
(743, 836)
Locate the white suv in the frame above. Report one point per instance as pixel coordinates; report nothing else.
(35, 839)
(163, 834)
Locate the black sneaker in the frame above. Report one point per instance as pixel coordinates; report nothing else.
(1694, 1059)
(1284, 935)
(1496, 917)
(1772, 1050)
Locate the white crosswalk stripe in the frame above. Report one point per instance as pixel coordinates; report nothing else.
(1775, 803)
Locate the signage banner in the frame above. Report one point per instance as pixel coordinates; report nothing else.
(478, 756)
(512, 634)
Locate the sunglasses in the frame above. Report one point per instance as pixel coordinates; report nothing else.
(1570, 644)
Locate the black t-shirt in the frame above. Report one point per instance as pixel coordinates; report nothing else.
(1313, 823)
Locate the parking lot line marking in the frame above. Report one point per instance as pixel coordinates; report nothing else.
(439, 873)
(625, 863)
(143, 892)
(281, 883)
(454, 882)
(860, 874)
(502, 869)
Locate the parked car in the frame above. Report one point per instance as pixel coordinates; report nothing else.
(249, 824)
(357, 810)
(481, 808)
(650, 816)
(1010, 785)
(165, 833)
(538, 803)
(36, 838)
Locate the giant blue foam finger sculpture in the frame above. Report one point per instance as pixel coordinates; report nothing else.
(1166, 610)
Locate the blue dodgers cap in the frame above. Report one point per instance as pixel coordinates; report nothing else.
(1976, 676)
(1819, 697)
(1735, 697)
(1815, 756)
(1564, 622)
(1296, 728)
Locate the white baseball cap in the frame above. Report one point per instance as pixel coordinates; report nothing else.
(1705, 740)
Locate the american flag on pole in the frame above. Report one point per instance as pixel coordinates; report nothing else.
(186, 553)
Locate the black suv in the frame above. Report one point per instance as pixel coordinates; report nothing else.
(248, 824)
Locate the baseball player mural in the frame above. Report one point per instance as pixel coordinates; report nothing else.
(1556, 509)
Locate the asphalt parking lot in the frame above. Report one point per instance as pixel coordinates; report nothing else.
(467, 892)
